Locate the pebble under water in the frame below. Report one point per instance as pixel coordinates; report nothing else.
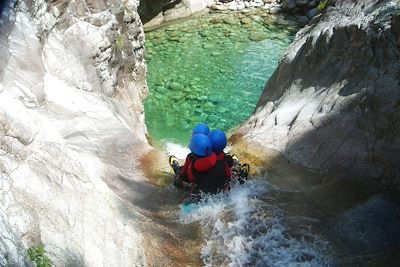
(210, 69)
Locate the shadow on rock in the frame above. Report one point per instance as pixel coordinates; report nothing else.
(168, 241)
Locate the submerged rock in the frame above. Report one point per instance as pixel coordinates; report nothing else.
(288, 4)
(368, 228)
(301, 2)
(175, 86)
(303, 20)
(230, 20)
(312, 13)
(257, 36)
(245, 20)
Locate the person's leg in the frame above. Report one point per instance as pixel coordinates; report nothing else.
(173, 161)
(244, 172)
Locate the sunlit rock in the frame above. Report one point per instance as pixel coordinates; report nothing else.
(156, 12)
(72, 81)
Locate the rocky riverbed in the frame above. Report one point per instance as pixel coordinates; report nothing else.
(301, 10)
(209, 60)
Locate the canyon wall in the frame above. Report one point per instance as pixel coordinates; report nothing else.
(72, 82)
(156, 12)
(333, 104)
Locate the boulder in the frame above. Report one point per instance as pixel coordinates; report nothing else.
(301, 2)
(155, 12)
(332, 105)
(312, 13)
(230, 20)
(245, 20)
(275, 10)
(288, 4)
(302, 20)
(257, 36)
(312, 3)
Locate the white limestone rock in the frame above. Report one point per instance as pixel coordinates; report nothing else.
(12, 252)
(71, 120)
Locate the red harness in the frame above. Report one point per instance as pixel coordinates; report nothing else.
(203, 164)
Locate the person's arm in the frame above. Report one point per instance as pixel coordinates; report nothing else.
(206, 163)
(184, 170)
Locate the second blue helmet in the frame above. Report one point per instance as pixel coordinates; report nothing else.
(218, 140)
(201, 128)
(200, 145)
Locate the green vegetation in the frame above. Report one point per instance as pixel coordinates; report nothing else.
(119, 42)
(322, 5)
(37, 255)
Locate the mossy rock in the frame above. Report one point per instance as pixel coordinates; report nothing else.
(222, 110)
(205, 33)
(174, 38)
(256, 18)
(175, 86)
(230, 21)
(216, 20)
(173, 33)
(207, 46)
(247, 26)
(159, 34)
(160, 89)
(158, 41)
(257, 36)
(245, 20)
(203, 98)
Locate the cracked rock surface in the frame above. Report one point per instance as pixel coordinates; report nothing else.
(156, 12)
(72, 81)
(333, 104)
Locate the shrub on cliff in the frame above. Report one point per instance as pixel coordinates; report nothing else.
(37, 255)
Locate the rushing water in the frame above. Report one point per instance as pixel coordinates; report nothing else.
(208, 70)
(317, 222)
(240, 229)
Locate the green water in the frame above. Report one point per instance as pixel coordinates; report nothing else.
(206, 69)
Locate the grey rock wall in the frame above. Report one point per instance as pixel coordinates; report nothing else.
(333, 104)
(72, 81)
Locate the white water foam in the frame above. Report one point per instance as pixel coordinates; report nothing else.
(241, 230)
(177, 150)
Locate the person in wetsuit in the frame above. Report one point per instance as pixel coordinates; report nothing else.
(218, 142)
(183, 172)
(206, 172)
(207, 167)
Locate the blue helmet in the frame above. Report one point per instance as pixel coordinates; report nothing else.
(200, 145)
(201, 128)
(218, 140)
